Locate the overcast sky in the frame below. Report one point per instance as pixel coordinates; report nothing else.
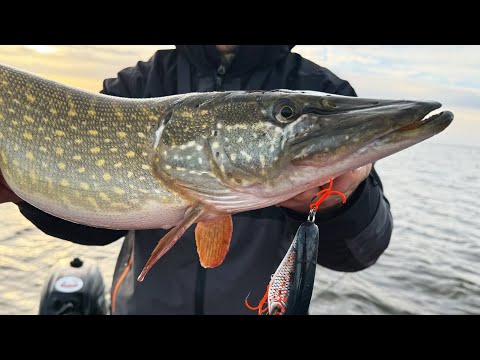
(446, 73)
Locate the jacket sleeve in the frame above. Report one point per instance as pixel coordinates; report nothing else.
(141, 80)
(62, 229)
(129, 82)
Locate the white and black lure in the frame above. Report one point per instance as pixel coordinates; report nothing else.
(291, 285)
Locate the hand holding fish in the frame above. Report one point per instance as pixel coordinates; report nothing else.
(346, 183)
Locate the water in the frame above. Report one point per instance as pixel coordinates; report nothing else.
(431, 266)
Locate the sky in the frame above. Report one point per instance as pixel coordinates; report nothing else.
(449, 74)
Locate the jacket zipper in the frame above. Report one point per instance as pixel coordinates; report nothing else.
(220, 76)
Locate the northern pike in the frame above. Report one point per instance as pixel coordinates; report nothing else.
(174, 161)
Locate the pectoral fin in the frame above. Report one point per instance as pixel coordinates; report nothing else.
(170, 239)
(213, 240)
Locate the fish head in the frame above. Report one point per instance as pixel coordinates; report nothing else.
(334, 134)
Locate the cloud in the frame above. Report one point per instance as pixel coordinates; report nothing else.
(449, 74)
(42, 49)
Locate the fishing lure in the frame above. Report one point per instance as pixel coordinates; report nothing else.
(290, 288)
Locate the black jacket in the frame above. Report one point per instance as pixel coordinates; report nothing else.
(351, 238)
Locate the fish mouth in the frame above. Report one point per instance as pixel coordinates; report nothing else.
(439, 118)
(395, 126)
(420, 129)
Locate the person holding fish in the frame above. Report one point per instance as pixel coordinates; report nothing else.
(352, 236)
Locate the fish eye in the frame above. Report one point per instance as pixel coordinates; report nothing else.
(285, 112)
